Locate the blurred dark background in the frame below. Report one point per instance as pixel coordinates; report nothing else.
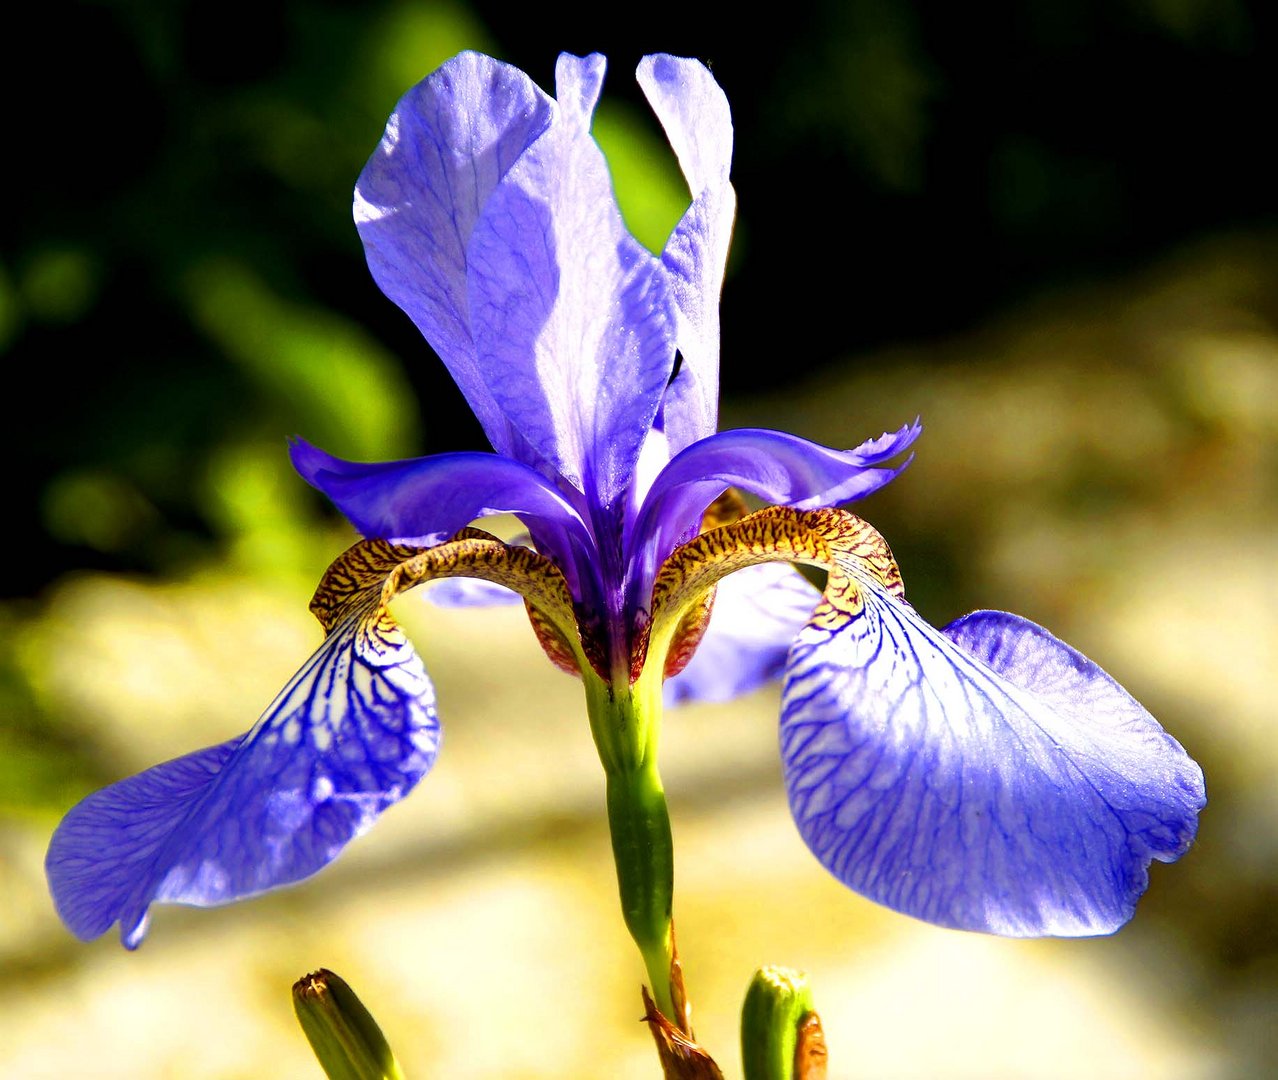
(181, 174)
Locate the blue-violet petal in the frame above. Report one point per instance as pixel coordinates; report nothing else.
(757, 614)
(448, 143)
(777, 467)
(423, 501)
(697, 121)
(349, 736)
(986, 778)
(570, 314)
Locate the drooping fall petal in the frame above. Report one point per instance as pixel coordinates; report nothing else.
(986, 778)
(350, 735)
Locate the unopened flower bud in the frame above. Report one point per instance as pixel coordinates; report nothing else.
(781, 1036)
(343, 1034)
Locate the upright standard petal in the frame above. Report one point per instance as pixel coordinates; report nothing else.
(449, 142)
(698, 123)
(570, 314)
(350, 735)
(986, 778)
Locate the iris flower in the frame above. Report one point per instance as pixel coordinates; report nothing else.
(984, 776)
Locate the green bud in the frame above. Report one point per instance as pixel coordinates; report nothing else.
(781, 1037)
(343, 1034)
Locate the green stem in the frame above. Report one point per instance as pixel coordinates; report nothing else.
(644, 853)
(626, 724)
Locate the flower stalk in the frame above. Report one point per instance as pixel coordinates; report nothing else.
(626, 723)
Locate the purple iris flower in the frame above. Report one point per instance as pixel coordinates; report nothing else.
(985, 776)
